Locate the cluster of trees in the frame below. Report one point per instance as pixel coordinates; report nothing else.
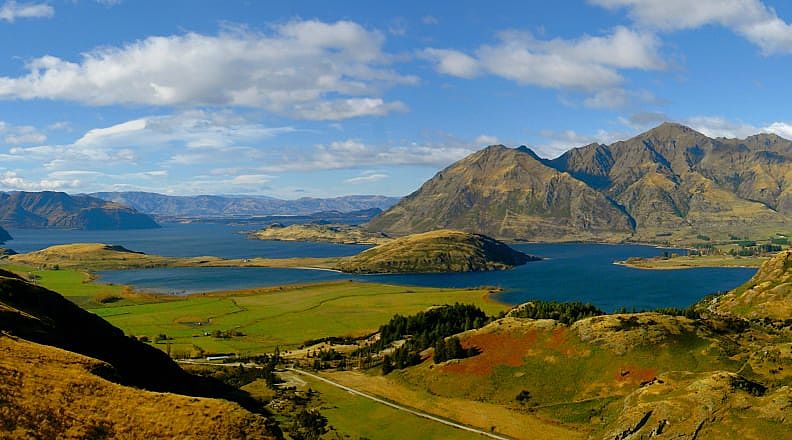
(564, 312)
(424, 328)
(220, 334)
(451, 348)
(688, 312)
(421, 331)
(240, 375)
(308, 425)
(403, 357)
(754, 249)
(333, 340)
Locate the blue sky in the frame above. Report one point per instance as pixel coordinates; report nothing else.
(301, 98)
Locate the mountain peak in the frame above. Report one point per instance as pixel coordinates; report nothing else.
(669, 129)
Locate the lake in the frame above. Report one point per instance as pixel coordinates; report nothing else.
(570, 272)
(181, 240)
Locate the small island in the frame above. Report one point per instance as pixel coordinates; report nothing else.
(323, 233)
(437, 251)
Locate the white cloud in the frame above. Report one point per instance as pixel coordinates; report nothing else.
(251, 179)
(11, 11)
(429, 20)
(10, 180)
(617, 97)
(750, 18)
(353, 153)
(21, 134)
(189, 137)
(643, 120)
(589, 63)
(452, 62)
(783, 129)
(367, 178)
(716, 126)
(302, 69)
(555, 143)
(486, 140)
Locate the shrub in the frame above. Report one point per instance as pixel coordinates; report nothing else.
(107, 298)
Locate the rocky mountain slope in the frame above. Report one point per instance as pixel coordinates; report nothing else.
(506, 193)
(4, 236)
(49, 209)
(219, 206)
(671, 183)
(436, 251)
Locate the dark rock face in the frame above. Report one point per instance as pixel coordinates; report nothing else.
(63, 211)
(669, 179)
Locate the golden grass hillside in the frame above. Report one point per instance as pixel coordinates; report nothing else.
(437, 251)
(768, 294)
(100, 256)
(343, 234)
(46, 392)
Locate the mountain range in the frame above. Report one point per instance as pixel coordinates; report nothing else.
(162, 205)
(669, 184)
(59, 210)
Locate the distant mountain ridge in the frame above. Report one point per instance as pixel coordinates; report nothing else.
(670, 183)
(58, 210)
(217, 206)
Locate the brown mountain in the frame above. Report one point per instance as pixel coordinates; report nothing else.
(670, 183)
(50, 209)
(506, 193)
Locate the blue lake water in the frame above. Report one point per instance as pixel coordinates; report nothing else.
(181, 240)
(570, 272)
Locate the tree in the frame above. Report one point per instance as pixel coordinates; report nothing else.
(523, 396)
(387, 365)
(308, 425)
(439, 352)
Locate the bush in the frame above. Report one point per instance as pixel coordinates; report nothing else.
(107, 298)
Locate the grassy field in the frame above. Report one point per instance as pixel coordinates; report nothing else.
(516, 423)
(76, 285)
(285, 316)
(265, 318)
(359, 417)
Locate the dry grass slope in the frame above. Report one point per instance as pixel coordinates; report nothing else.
(436, 251)
(768, 294)
(47, 392)
(343, 234)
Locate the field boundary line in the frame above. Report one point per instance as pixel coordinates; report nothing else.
(400, 407)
